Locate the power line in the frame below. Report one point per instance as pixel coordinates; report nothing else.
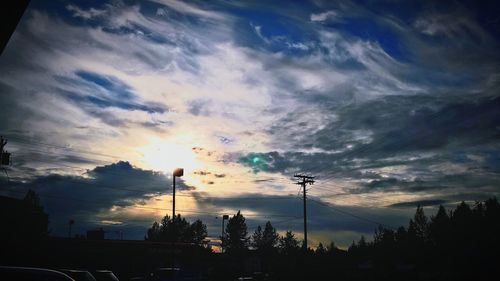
(33, 142)
(66, 198)
(193, 195)
(351, 214)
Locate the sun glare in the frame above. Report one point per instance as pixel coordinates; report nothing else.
(166, 155)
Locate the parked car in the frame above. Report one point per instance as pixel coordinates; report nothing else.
(105, 275)
(11, 273)
(246, 278)
(165, 274)
(79, 275)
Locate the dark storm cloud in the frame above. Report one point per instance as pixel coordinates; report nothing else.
(286, 213)
(386, 127)
(465, 123)
(25, 153)
(404, 123)
(84, 197)
(422, 203)
(438, 182)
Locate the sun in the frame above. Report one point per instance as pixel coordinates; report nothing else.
(166, 155)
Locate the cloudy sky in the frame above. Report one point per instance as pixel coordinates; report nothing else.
(387, 103)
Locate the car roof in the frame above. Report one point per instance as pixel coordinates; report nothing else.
(35, 270)
(168, 268)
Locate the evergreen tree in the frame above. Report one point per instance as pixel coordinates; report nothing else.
(418, 227)
(36, 220)
(320, 250)
(177, 230)
(492, 209)
(461, 216)
(270, 237)
(439, 227)
(401, 235)
(288, 244)
(362, 242)
(236, 238)
(256, 240)
(199, 232)
(331, 248)
(153, 233)
(353, 248)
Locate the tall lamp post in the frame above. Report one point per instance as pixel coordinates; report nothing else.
(179, 172)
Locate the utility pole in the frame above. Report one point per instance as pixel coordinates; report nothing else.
(304, 180)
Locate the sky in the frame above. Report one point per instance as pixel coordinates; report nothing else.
(389, 104)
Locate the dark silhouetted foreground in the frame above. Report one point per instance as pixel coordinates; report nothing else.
(460, 244)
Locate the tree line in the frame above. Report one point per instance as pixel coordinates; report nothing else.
(461, 243)
(457, 244)
(464, 226)
(235, 238)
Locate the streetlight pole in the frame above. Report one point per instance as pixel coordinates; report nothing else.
(179, 172)
(173, 200)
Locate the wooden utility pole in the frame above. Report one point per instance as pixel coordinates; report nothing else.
(304, 180)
